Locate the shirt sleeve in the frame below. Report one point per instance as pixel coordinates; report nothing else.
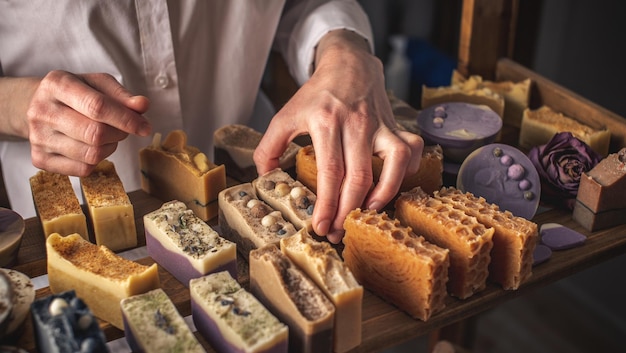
(304, 23)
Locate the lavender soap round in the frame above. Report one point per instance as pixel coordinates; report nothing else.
(504, 176)
(459, 128)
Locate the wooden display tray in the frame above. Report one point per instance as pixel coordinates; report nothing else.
(383, 325)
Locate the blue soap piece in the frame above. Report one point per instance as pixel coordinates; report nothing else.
(559, 237)
(63, 323)
(541, 254)
(504, 176)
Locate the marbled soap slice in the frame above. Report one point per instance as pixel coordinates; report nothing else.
(98, 275)
(152, 324)
(321, 262)
(558, 237)
(294, 299)
(185, 245)
(231, 319)
(111, 212)
(248, 221)
(289, 196)
(63, 323)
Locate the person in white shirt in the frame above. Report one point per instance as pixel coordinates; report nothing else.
(81, 81)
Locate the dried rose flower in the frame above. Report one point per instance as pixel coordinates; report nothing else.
(560, 164)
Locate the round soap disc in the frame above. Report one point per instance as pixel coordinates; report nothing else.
(504, 176)
(458, 127)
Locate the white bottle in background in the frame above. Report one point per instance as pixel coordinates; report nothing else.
(398, 68)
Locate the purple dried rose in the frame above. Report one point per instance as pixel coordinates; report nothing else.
(560, 164)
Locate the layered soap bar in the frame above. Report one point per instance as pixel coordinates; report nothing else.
(395, 263)
(321, 262)
(516, 94)
(468, 240)
(234, 148)
(97, 274)
(290, 295)
(248, 221)
(540, 125)
(110, 210)
(57, 205)
(429, 175)
(231, 319)
(153, 324)
(173, 170)
(289, 196)
(185, 245)
(601, 199)
(63, 323)
(514, 238)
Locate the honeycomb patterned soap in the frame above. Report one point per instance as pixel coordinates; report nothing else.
(468, 240)
(395, 263)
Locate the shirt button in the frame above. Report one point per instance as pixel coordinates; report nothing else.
(162, 81)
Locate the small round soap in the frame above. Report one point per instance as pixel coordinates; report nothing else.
(11, 231)
(459, 128)
(504, 176)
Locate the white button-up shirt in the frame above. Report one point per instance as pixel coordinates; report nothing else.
(200, 62)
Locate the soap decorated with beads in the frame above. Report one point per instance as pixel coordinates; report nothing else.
(504, 176)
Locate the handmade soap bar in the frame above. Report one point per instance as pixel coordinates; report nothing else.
(185, 245)
(558, 237)
(63, 323)
(468, 240)
(516, 94)
(98, 275)
(457, 93)
(428, 176)
(153, 324)
(57, 205)
(321, 262)
(23, 297)
(395, 263)
(248, 221)
(504, 176)
(234, 148)
(231, 319)
(514, 238)
(173, 170)
(289, 196)
(6, 303)
(288, 293)
(540, 125)
(110, 210)
(459, 128)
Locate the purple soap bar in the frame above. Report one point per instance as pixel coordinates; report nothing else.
(458, 127)
(559, 237)
(541, 254)
(504, 176)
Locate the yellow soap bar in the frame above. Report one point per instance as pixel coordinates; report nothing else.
(99, 276)
(172, 170)
(112, 215)
(57, 205)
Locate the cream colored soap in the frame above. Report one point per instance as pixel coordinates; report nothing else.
(289, 196)
(294, 299)
(248, 221)
(321, 262)
(99, 276)
(57, 205)
(112, 215)
(540, 125)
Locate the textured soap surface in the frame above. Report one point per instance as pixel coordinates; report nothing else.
(504, 176)
(23, 296)
(558, 237)
(64, 323)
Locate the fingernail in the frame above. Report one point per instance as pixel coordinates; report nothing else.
(335, 236)
(323, 227)
(145, 129)
(375, 205)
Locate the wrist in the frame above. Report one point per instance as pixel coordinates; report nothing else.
(340, 41)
